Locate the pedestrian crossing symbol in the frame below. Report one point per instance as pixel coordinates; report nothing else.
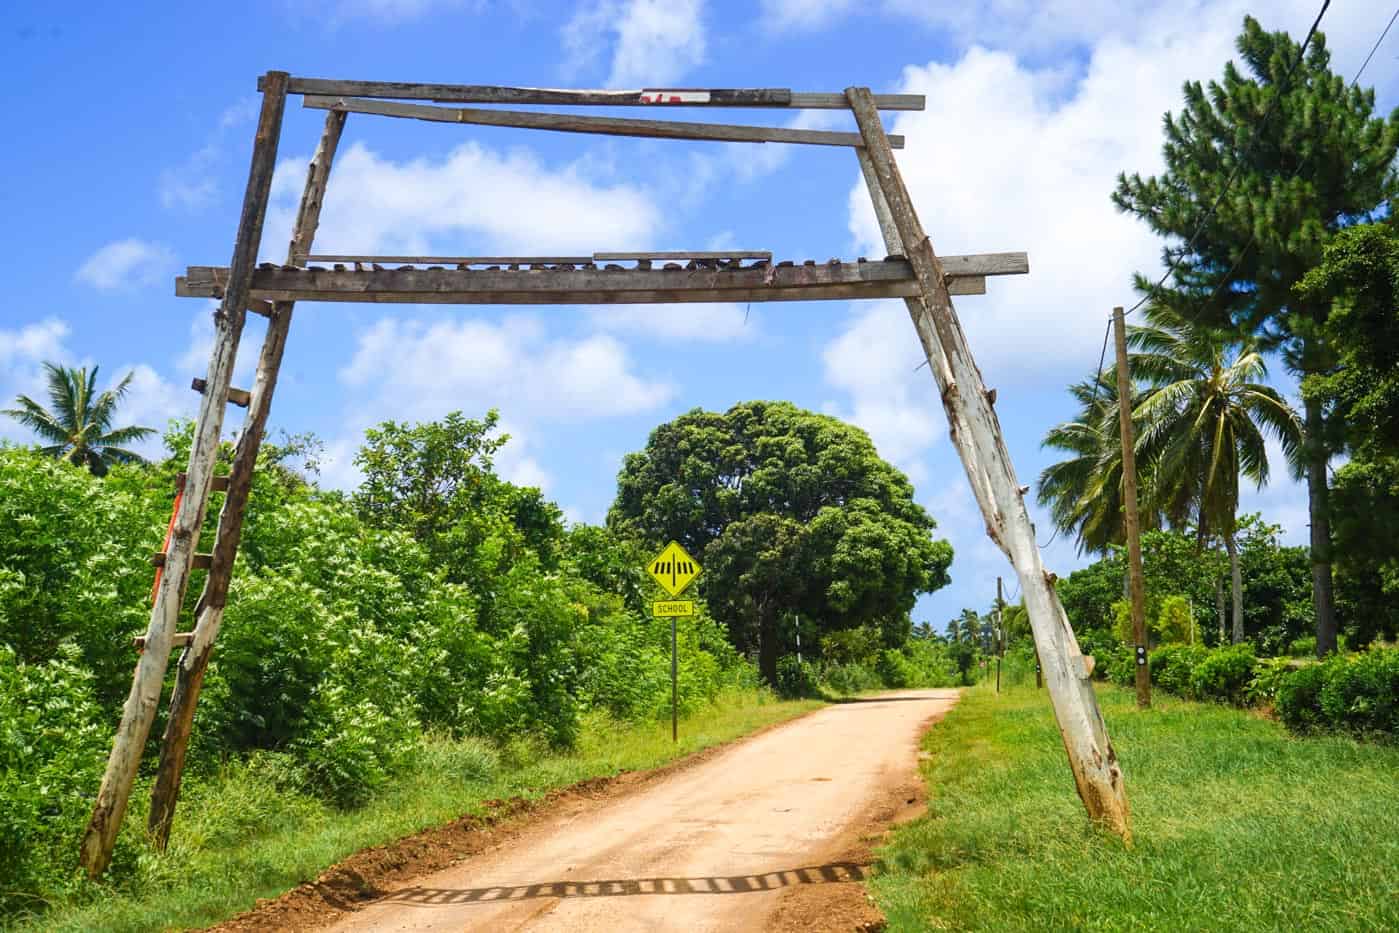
(674, 569)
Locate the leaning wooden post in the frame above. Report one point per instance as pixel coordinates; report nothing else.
(980, 442)
(140, 709)
(194, 661)
(1131, 518)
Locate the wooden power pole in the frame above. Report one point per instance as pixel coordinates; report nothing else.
(1000, 633)
(1131, 518)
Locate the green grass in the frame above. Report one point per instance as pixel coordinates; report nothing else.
(238, 838)
(1238, 826)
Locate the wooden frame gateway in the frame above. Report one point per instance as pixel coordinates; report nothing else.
(912, 271)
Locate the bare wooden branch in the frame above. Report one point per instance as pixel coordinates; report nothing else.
(606, 126)
(780, 98)
(140, 709)
(209, 610)
(1092, 758)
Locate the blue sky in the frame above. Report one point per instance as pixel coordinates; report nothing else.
(133, 124)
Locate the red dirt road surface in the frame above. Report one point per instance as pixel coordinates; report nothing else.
(770, 833)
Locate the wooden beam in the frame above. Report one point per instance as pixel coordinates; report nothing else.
(189, 678)
(980, 441)
(1131, 518)
(780, 98)
(885, 279)
(606, 126)
(178, 640)
(451, 260)
(140, 708)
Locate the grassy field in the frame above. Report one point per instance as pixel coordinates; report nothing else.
(238, 838)
(1239, 826)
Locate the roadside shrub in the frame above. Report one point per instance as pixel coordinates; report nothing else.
(1298, 699)
(1360, 693)
(1268, 676)
(796, 679)
(930, 664)
(894, 669)
(52, 750)
(1223, 674)
(850, 678)
(1120, 666)
(1173, 665)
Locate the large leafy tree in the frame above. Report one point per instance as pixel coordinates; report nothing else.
(788, 512)
(1359, 276)
(1261, 169)
(1204, 422)
(79, 425)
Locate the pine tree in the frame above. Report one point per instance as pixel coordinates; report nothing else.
(1306, 156)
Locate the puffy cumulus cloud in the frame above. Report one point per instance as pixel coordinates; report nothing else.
(126, 264)
(194, 361)
(425, 370)
(510, 202)
(651, 43)
(151, 401)
(804, 14)
(872, 361)
(32, 343)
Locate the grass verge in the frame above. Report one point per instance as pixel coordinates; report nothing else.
(1238, 825)
(238, 837)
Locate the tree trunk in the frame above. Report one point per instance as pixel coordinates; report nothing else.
(1236, 584)
(1219, 607)
(1318, 505)
(767, 646)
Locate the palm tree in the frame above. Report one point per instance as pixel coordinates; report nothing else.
(80, 425)
(1203, 425)
(1084, 492)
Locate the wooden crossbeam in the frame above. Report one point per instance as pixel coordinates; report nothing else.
(781, 98)
(890, 278)
(606, 126)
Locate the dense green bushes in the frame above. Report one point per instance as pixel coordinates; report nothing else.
(1351, 693)
(1356, 693)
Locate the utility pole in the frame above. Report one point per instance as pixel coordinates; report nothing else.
(1129, 506)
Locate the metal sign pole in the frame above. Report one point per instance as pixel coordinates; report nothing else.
(674, 714)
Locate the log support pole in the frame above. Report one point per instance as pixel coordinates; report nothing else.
(140, 709)
(189, 676)
(976, 433)
(1131, 517)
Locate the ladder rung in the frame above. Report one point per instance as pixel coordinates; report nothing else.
(259, 306)
(240, 397)
(178, 640)
(201, 561)
(216, 483)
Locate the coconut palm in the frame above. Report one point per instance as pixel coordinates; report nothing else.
(1084, 492)
(79, 426)
(1203, 425)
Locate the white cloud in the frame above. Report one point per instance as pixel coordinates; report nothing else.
(893, 402)
(702, 321)
(804, 14)
(33, 343)
(652, 43)
(151, 401)
(126, 264)
(429, 369)
(195, 360)
(475, 198)
(194, 184)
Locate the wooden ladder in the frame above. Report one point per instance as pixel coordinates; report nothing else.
(178, 558)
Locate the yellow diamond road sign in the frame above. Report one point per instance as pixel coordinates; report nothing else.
(674, 569)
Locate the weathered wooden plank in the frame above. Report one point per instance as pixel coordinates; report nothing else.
(216, 483)
(239, 397)
(209, 610)
(606, 126)
(452, 260)
(982, 446)
(659, 97)
(178, 640)
(140, 708)
(197, 561)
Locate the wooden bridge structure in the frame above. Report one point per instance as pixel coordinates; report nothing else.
(911, 271)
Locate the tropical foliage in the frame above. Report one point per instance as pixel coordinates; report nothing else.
(79, 425)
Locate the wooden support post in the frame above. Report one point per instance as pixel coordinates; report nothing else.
(1000, 633)
(209, 611)
(978, 437)
(1131, 517)
(140, 709)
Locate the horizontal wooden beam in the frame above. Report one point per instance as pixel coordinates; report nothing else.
(198, 562)
(606, 126)
(890, 278)
(178, 640)
(781, 98)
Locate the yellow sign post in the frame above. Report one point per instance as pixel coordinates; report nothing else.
(674, 569)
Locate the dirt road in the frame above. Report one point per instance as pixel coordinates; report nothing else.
(767, 834)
